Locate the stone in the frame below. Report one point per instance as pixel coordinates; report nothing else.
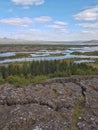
(55, 104)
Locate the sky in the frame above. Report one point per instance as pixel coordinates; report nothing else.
(49, 20)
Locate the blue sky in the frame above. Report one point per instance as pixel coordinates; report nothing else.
(52, 20)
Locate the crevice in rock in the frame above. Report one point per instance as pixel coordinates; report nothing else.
(76, 81)
(41, 103)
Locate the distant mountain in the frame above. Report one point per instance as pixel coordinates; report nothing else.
(92, 41)
(6, 40)
(12, 41)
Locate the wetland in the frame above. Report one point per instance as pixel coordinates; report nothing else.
(47, 52)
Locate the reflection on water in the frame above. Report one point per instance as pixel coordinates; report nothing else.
(7, 54)
(46, 55)
(85, 49)
(84, 61)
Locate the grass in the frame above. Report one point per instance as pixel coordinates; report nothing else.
(79, 109)
(18, 55)
(95, 64)
(95, 53)
(38, 79)
(21, 80)
(60, 54)
(2, 81)
(21, 55)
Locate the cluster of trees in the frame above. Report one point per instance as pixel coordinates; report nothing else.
(44, 69)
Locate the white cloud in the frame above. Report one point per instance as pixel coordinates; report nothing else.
(87, 35)
(60, 23)
(55, 26)
(28, 2)
(31, 31)
(17, 21)
(58, 26)
(36, 34)
(63, 30)
(50, 30)
(88, 14)
(89, 25)
(53, 30)
(25, 21)
(43, 19)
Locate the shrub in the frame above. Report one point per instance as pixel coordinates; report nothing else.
(17, 80)
(40, 78)
(2, 81)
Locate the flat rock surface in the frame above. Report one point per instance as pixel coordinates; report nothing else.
(56, 104)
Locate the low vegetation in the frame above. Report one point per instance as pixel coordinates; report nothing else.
(79, 109)
(18, 55)
(59, 54)
(95, 53)
(2, 80)
(37, 71)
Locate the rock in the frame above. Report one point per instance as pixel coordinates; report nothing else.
(55, 104)
(80, 117)
(81, 125)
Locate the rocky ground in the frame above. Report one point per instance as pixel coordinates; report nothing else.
(56, 104)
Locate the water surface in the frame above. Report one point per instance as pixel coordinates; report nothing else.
(50, 55)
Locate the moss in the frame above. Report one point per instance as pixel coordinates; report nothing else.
(79, 109)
